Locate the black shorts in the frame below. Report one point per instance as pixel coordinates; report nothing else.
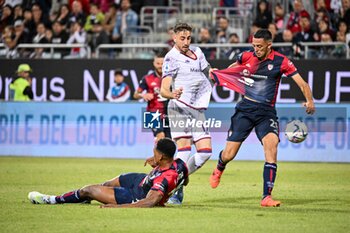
(251, 115)
(165, 130)
(129, 190)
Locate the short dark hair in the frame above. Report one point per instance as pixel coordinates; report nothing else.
(118, 71)
(263, 34)
(182, 27)
(167, 147)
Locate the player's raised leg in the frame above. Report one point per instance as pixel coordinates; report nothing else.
(225, 156)
(270, 143)
(204, 151)
(240, 128)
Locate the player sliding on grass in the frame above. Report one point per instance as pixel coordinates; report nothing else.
(259, 74)
(131, 189)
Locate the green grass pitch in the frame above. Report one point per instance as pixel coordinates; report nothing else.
(315, 198)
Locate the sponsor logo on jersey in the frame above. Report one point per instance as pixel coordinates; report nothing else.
(247, 81)
(195, 70)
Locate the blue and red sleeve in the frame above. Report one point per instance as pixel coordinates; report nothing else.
(288, 68)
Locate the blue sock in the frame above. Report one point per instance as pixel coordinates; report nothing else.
(70, 197)
(269, 174)
(221, 164)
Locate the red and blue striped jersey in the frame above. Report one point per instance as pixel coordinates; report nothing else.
(152, 83)
(257, 79)
(165, 180)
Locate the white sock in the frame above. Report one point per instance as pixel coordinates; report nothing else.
(184, 153)
(198, 160)
(52, 200)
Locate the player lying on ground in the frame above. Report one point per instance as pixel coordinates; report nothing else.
(131, 189)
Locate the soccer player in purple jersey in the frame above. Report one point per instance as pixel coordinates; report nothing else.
(187, 86)
(257, 108)
(131, 189)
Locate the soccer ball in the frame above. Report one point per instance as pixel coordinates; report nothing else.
(296, 131)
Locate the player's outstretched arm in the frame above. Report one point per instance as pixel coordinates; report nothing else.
(305, 89)
(151, 200)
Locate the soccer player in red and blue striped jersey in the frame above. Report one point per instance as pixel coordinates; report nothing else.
(259, 76)
(131, 189)
(151, 83)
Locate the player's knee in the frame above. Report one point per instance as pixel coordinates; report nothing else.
(112, 183)
(270, 140)
(107, 183)
(270, 145)
(87, 191)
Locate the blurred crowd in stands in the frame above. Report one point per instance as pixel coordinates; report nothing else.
(95, 22)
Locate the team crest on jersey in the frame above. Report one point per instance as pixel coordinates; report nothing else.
(269, 66)
(246, 73)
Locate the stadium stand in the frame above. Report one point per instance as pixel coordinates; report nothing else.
(155, 21)
(160, 19)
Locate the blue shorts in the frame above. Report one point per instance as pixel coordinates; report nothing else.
(129, 190)
(251, 115)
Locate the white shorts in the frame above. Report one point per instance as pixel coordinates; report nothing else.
(186, 122)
